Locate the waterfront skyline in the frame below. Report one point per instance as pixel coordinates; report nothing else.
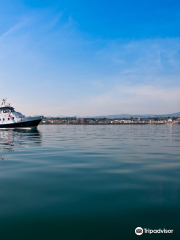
(90, 58)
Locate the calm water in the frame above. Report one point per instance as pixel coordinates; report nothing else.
(89, 182)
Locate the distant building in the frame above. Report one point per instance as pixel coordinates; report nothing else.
(178, 119)
(75, 121)
(45, 121)
(83, 120)
(91, 122)
(107, 121)
(169, 120)
(54, 121)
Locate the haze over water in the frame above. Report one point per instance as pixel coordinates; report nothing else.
(89, 182)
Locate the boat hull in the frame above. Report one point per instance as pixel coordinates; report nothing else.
(26, 124)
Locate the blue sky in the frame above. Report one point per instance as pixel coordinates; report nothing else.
(86, 58)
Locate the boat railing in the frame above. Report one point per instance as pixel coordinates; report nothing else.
(20, 116)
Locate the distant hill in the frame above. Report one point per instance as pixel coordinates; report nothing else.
(138, 116)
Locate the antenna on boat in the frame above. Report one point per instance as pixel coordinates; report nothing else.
(4, 101)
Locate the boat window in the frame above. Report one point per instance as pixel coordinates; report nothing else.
(11, 109)
(13, 118)
(0, 119)
(5, 111)
(8, 118)
(3, 119)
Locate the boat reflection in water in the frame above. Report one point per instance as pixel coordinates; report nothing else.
(12, 139)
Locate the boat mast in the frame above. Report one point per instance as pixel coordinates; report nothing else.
(4, 101)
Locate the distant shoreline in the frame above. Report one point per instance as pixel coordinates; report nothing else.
(105, 121)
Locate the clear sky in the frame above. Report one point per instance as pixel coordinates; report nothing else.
(90, 57)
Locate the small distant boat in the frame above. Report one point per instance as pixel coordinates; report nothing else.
(9, 118)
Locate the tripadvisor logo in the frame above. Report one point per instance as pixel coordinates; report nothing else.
(139, 231)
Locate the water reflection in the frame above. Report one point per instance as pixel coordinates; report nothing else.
(13, 138)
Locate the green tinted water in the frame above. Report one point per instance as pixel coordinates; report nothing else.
(89, 182)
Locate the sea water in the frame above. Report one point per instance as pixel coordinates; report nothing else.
(89, 182)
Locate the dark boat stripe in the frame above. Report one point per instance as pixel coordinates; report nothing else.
(21, 124)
